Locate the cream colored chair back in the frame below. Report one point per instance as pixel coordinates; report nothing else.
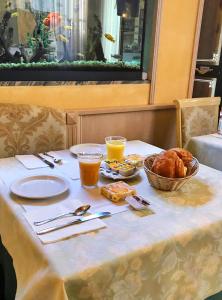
(26, 129)
(196, 116)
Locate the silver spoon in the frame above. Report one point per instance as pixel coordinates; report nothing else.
(81, 210)
(56, 160)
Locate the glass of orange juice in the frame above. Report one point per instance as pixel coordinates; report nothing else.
(89, 164)
(115, 146)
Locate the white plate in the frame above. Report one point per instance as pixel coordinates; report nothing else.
(39, 187)
(88, 148)
(104, 172)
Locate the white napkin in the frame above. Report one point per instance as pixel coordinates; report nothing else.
(51, 211)
(62, 233)
(69, 168)
(30, 161)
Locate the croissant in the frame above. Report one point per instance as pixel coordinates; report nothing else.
(184, 154)
(172, 163)
(164, 166)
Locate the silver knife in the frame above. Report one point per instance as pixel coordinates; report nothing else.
(49, 163)
(80, 220)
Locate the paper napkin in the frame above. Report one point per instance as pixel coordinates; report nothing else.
(62, 233)
(48, 212)
(30, 161)
(69, 168)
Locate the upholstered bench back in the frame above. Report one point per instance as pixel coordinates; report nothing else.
(195, 117)
(26, 129)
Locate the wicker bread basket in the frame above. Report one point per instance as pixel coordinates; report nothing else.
(168, 184)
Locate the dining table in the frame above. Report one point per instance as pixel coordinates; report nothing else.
(207, 149)
(170, 250)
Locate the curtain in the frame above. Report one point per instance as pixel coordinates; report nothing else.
(68, 37)
(111, 25)
(70, 34)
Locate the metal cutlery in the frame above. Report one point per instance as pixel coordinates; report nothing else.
(141, 200)
(78, 221)
(81, 210)
(49, 163)
(55, 160)
(137, 202)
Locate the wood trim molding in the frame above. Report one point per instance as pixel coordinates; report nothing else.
(195, 48)
(155, 51)
(73, 116)
(205, 101)
(178, 125)
(79, 129)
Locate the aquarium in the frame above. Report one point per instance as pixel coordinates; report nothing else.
(71, 39)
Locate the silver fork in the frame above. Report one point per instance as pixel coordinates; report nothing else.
(55, 160)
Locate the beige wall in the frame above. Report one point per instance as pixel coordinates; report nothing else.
(87, 96)
(178, 22)
(176, 46)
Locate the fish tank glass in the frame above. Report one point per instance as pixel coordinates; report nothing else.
(71, 39)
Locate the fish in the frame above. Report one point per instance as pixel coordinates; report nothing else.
(8, 4)
(46, 22)
(52, 19)
(109, 37)
(62, 38)
(68, 27)
(80, 55)
(14, 14)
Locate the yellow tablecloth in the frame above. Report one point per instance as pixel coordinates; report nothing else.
(172, 252)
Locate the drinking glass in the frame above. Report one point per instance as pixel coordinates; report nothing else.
(115, 146)
(89, 164)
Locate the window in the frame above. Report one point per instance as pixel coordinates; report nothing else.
(71, 39)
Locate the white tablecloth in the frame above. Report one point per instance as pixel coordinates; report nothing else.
(207, 149)
(173, 251)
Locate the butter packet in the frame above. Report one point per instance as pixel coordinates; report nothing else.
(117, 191)
(135, 160)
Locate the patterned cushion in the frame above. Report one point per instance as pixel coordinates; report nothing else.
(198, 120)
(26, 129)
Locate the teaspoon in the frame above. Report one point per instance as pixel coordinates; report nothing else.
(81, 210)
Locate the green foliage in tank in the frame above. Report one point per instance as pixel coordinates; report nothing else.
(75, 65)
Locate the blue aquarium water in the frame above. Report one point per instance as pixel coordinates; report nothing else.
(71, 34)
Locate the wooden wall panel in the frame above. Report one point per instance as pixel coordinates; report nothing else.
(150, 124)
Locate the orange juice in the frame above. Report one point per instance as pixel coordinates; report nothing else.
(89, 172)
(115, 149)
(89, 164)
